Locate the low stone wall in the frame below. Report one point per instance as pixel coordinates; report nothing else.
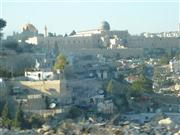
(45, 113)
(124, 53)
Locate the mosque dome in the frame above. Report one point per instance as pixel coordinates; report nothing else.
(29, 27)
(105, 25)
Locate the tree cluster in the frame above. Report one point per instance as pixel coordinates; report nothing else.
(114, 91)
(74, 112)
(4, 72)
(142, 85)
(19, 120)
(61, 62)
(12, 45)
(72, 33)
(9, 121)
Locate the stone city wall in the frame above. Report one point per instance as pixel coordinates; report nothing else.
(153, 42)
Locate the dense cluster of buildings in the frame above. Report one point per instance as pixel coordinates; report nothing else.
(170, 34)
(95, 57)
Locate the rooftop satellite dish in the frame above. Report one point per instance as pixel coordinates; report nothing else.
(52, 105)
(100, 91)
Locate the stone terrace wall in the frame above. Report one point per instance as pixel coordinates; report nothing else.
(124, 53)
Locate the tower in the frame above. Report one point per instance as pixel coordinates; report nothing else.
(45, 31)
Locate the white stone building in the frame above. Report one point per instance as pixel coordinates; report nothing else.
(106, 107)
(32, 40)
(39, 75)
(174, 65)
(162, 34)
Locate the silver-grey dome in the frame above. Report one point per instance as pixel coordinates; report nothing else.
(105, 25)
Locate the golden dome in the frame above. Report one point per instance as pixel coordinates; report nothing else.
(29, 27)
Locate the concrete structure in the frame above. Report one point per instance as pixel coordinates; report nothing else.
(31, 102)
(106, 107)
(174, 65)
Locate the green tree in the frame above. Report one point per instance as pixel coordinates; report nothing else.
(120, 77)
(143, 84)
(13, 45)
(35, 121)
(46, 102)
(164, 60)
(61, 62)
(177, 56)
(50, 34)
(110, 87)
(4, 72)
(137, 87)
(19, 118)
(65, 35)
(6, 116)
(146, 84)
(72, 33)
(121, 102)
(2, 25)
(74, 112)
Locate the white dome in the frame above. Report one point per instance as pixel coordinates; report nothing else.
(29, 27)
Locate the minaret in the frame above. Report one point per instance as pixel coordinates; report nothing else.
(45, 31)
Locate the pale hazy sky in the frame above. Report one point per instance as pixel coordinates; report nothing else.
(63, 17)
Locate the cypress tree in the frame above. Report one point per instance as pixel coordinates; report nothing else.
(110, 87)
(18, 120)
(6, 116)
